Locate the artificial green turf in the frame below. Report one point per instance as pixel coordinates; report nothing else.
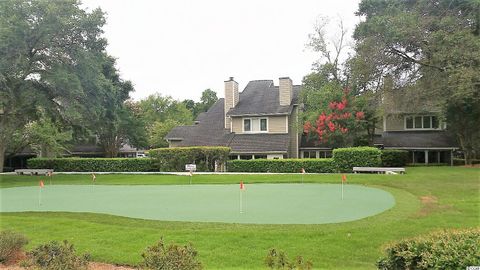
(453, 196)
(259, 204)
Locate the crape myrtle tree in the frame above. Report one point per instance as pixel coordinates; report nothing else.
(45, 53)
(336, 113)
(431, 49)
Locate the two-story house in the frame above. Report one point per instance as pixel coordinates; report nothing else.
(259, 122)
(417, 128)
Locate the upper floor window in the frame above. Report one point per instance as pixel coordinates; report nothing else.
(247, 125)
(255, 125)
(421, 122)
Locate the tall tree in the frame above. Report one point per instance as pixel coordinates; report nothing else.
(44, 50)
(430, 48)
(328, 85)
(160, 114)
(208, 98)
(117, 124)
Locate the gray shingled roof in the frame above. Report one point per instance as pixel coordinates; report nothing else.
(252, 143)
(210, 131)
(262, 98)
(416, 139)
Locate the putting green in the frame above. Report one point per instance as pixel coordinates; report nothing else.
(263, 203)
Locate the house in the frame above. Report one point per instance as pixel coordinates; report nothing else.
(259, 122)
(423, 135)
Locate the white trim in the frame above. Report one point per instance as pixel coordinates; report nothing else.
(422, 148)
(252, 131)
(286, 124)
(263, 152)
(440, 123)
(260, 123)
(243, 125)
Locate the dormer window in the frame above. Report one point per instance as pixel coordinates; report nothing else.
(247, 125)
(255, 125)
(421, 122)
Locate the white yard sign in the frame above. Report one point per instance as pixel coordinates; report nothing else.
(190, 167)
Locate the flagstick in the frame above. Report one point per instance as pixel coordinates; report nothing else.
(241, 202)
(40, 196)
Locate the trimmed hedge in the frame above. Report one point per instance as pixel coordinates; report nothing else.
(325, 165)
(93, 164)
(394, 158)
(454, 249)
(347, 158)
(174, 159)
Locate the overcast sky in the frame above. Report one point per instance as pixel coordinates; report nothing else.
(180, 48)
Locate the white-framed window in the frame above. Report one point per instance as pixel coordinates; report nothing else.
(422, 122)
(255, 125)
(247, 125)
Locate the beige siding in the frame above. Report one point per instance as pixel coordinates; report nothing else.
(237, 124)
(394, 123)
(275, 124)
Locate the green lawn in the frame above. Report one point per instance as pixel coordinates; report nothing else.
(427, 198)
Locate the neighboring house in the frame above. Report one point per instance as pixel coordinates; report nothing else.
(259, 122)
(422, 134)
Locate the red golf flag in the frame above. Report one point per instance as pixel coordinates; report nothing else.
(41, 184)
(242, 186)
(344, 178)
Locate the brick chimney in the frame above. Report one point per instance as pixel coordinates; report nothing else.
(285, 90)
(231, 98)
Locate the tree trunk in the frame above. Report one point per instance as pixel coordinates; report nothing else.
(2, 155)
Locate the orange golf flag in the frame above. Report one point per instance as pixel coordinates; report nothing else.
(41, 184)
(344, 178)
(242, 186)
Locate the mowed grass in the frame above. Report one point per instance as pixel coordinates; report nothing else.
(427, 199)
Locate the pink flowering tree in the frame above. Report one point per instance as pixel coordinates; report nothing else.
(338, 123)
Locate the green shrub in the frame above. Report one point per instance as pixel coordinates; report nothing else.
(93, 164)
(11, 243)
(174, 159)
(394, 158)
(57, 256)
(279, 260)
(172, 257)
(324, 165)
(347, 158)
(454, 249)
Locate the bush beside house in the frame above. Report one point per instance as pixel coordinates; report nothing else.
(174, 159)
(93, 164)
(347, 158)
(282, 165)
(394, 158)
